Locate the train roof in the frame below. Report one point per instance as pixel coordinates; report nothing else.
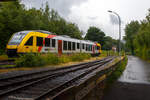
(42, 31)
(63, 37)
(87, 42)
(67, 38)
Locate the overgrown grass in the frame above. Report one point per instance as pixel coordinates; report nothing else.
(3, 57)
(33, 60)
(111, 53)
(118, 71)
(5, 66)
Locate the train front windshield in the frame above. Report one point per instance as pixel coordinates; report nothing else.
(17, 38)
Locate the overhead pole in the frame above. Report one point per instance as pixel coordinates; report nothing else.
(119, 44)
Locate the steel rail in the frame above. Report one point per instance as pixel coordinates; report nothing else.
(66, 84)
(52, 75)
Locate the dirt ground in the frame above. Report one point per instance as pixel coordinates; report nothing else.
(128, 91)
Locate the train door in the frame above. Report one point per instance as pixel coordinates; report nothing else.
(59, 47)
(29, 45)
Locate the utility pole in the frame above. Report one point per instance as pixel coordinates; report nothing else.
(119, 45)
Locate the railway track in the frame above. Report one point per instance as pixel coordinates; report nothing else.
(39, 84)
(7, 62)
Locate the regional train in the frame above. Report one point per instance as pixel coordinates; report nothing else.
(40, 41)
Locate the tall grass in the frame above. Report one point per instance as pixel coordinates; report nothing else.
(31, 60)
(111, 53)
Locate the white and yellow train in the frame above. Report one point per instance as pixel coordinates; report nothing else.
(40, 41)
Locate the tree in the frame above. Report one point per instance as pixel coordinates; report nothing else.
(14, 17)
(95, 34)
(137, 36)
(131, 31)
(109, 43)
(142, 39)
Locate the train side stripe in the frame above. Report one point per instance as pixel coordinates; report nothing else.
(40, 48)
(51, 36)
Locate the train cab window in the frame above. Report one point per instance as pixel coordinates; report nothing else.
(82, 46)
(78, 45)
(64, 45)
(30, 41)
(53, 42)
(73, 46)
(69, 45)
(39, 41)
(47, 42)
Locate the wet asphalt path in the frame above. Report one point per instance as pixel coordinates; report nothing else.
(134, 84)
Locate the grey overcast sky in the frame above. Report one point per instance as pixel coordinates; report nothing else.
(87, 13)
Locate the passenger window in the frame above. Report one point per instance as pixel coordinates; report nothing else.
(30, 41)
(69, 45)
(39, 41)
(47, 42)
(89, 47)
(82, 46)
(78, 45)
(64, 45)
(53, 42)
(73, 46)
(86, 47)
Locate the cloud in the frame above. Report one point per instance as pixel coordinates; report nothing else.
(92, 17)
(87, 13)
(62, 6)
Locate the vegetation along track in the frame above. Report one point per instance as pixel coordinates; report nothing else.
(7, 62)
(35, 85)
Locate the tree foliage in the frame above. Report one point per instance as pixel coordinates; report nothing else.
(109, 43)
(95, 34)
(15, 17)
(138, 37)
(131, 31)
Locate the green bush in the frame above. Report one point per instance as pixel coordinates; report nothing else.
(51, 59)
(30, 60)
